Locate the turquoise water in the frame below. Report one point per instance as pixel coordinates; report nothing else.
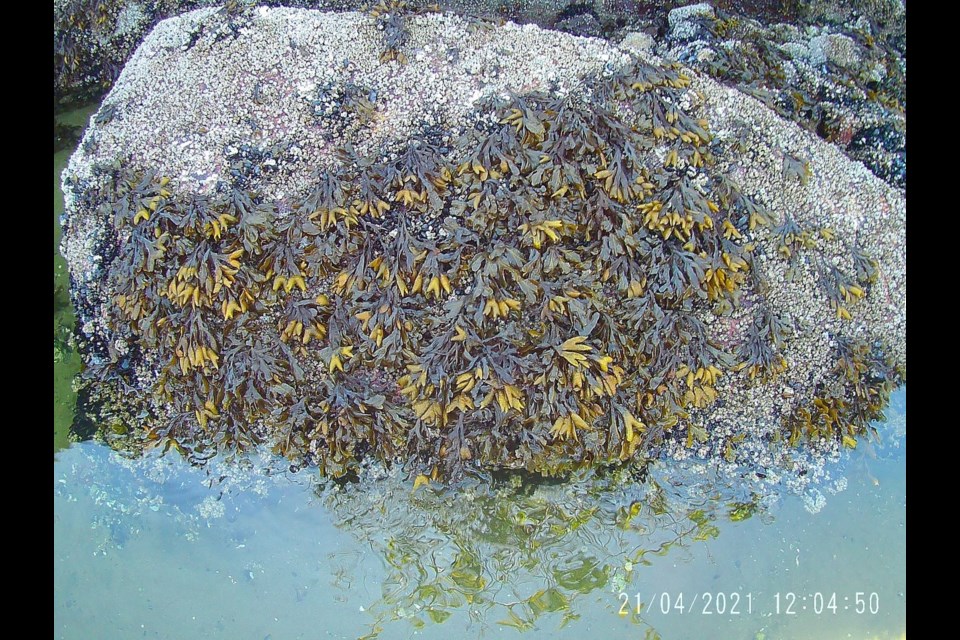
(155, 549)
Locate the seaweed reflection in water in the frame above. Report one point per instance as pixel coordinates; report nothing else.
(529, 553)
(519, 552)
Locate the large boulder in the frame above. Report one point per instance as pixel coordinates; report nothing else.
(350, 236)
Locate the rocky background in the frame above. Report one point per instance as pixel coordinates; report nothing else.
(838, 68)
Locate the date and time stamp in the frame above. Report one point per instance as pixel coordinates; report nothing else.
(746, 603)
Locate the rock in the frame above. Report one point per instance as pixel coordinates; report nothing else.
(833, 79)
(638, 42)
(285, 283)
(837, 49)
(686, 23)
(581, 22)
(683, 14)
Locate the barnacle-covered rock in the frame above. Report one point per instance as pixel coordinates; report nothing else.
(496, 246)
(843, 78)
(92, 39)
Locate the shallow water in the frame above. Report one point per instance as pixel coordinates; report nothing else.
(154, 548)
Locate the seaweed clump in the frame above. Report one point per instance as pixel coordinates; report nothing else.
(390, 16)
(532, 294)
(846, 408)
